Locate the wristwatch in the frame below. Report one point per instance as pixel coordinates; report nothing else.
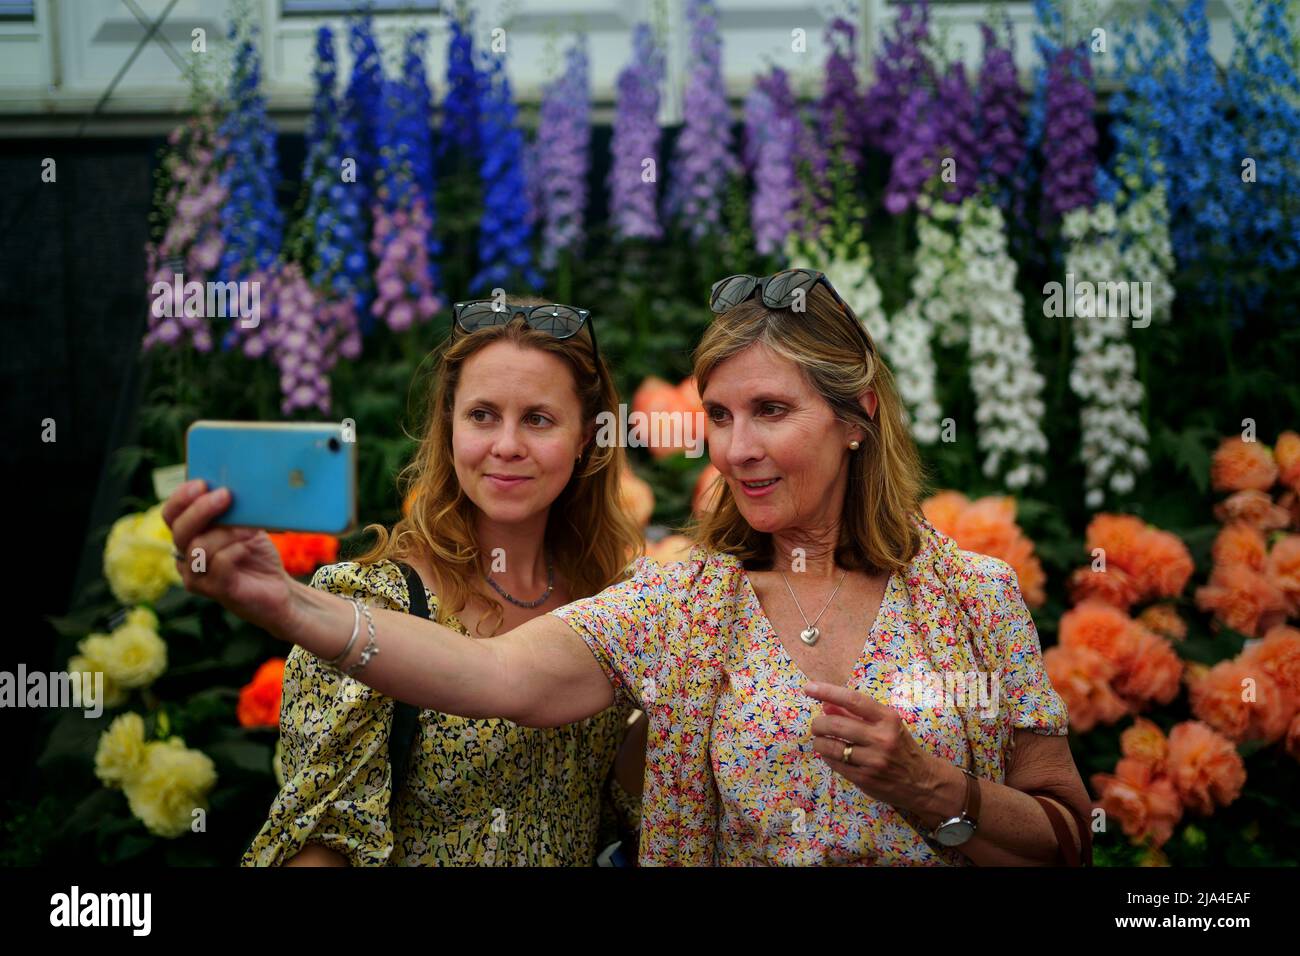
(957, 830)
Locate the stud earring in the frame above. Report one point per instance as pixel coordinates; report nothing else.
(854, 445)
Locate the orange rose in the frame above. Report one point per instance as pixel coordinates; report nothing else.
(1278, 656)
(1117, 535)
(988, 526)
(1286, 452)
(304, 553)
(1082, 677)
(636, 497)
(1145, 803)
(1243, 599)
(1162, 565)
(1293, 738)
(1240, 543)
(1154, 673)
(259, 699)
(1205, 768)
(1240, 465)
(1253, 507)
(705, 496)
(1289, 502)
(1217, 700)
(1112, 586)
(1145, 741)
(1282, 568)
(1101, 628)
(1164, 619)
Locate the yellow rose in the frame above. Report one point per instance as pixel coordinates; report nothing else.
(132, 656)
(138, 557)
(120, 754)
(114, 695)
(142, 617)
(172, 784)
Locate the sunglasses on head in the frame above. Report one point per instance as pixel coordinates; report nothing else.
(778, 291)
(561, 321)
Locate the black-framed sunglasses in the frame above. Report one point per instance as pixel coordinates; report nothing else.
(778, 291)
(561, 321)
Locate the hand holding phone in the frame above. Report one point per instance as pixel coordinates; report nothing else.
(281, 476)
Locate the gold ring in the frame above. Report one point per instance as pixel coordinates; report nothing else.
(848, 754)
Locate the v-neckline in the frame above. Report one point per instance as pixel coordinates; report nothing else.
(770, 630)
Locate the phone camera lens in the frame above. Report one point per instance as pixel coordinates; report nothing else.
(334, 444)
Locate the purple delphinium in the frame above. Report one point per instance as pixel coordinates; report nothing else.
(915, 162)
(632, 205)
(1070, 138)
(840, 112)
(703, 159)
(957, 134)
(562, 159)
(771, 133)
(901, 67)
(300, 334)
(191, 243)
(1000, 144)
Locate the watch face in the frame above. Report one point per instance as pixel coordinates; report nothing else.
(953, 834)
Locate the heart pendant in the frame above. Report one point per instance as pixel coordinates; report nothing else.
(809, 635)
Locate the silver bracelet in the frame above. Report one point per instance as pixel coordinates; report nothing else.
(371, 648)
(356, 630)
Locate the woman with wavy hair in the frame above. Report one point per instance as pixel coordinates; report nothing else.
(789, 668)
(511, 511)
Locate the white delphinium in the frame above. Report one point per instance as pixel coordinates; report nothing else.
(1008, 388)
(848, 266)
(1104, 374)
(1148, 253)
(935, 300)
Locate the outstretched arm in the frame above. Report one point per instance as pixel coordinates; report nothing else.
(540, 674)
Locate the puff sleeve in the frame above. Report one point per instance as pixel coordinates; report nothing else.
(1025, 687)
(625, 627)
(334, 731)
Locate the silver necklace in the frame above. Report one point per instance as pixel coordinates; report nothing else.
(811, 632)
(550, 584)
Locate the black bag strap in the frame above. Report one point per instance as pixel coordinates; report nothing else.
(406, 717)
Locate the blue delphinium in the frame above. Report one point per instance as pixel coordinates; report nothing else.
(251, 223)
(333, 221)
(562, 158)
(459, 136)
(364, 124)
(1263, 89)
(504, 242)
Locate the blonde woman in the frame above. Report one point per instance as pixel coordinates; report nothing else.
(513, 512)
(778, 665)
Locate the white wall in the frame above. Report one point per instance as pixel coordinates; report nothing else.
(54, 71)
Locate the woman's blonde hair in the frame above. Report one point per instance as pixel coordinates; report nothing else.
(886, 478)
(592, 538)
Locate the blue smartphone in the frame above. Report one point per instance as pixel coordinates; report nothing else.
(282, 476)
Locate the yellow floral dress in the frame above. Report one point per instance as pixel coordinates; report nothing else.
(477, 792)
